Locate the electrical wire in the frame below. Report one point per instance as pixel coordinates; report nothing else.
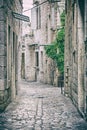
(36, 6)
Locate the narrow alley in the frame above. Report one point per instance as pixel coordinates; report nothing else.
(41, 107)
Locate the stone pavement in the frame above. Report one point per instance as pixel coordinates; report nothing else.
(41, 107)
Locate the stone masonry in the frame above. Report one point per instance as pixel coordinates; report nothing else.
(9, 39)
(75, 54)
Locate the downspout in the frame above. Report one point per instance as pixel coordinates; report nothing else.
(85, 56)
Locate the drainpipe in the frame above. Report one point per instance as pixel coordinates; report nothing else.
(85, 41)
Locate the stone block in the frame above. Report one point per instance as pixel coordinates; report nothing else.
(2, 84)
(1, 14)
(6, 95)
(2, 26)
(3, 61)
(1, 97)
(3, 73)
(2, 50)
(4, 99)
(2, 37)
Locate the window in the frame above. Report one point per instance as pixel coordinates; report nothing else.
(42, 59)
(53, 18)
(39, 15)
(23, 66)
(13, 47)
(36, 18)
(9, 54)
(37, 59)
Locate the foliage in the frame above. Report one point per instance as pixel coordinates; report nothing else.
(56, 49)
(62, 18)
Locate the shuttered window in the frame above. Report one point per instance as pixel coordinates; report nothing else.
(33, 18)
(36, 18)
(53, 18)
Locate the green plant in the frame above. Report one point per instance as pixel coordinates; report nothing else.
(56, 49)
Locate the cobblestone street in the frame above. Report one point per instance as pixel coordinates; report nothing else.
(41, 107)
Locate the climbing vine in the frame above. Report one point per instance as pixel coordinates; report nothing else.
(56, 49)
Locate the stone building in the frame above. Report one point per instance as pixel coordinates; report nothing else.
(45, 19)
(10, 39)
(27, 51)
(75, 53)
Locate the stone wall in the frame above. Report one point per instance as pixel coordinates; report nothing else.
(75, 54)
(9, 30)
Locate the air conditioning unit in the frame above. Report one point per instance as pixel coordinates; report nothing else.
(53, 1)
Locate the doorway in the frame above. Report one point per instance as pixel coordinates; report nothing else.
(37, 66)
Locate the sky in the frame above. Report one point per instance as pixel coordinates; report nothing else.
(27, 4)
